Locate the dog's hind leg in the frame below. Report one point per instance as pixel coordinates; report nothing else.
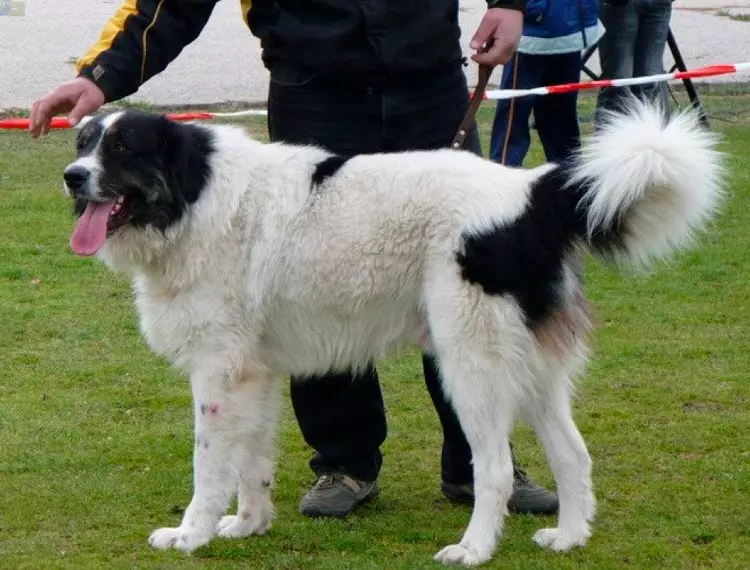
(480, 344)
(255, 510)
(562, 353)
(550, 414)
(231, 409)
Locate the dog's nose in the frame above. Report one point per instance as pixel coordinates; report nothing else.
(76, 176)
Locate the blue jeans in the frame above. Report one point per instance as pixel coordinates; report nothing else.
(556, 116)
(633, 46)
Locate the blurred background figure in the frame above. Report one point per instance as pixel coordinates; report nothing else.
(554, 34)
(633, 46)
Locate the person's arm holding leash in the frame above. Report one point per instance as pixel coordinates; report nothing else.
(138, 42)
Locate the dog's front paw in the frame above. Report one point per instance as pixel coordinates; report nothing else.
(184, 539)
(559, 540)
(459, 554)
(235, 526)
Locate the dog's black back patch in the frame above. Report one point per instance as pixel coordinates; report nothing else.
(525, 257)
(327, 168)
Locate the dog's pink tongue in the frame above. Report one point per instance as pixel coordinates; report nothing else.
(91, 229)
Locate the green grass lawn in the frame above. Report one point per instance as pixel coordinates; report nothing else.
(96, 432)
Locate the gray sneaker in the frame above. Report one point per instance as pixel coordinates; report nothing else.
(527, 497)
(336, 495)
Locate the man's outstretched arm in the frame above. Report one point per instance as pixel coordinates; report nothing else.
(138, 42)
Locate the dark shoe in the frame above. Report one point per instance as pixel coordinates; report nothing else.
(336, 495)
(458, 493)
(530, 498)
(527, 497)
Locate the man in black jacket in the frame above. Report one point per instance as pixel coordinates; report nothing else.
(355, 77)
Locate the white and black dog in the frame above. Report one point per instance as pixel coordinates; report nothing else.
(253, 261)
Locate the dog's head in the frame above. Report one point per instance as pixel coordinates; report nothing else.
(134, 170)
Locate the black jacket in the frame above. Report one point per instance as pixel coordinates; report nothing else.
(343, 36)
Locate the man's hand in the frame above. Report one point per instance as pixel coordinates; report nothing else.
(78, 98)
(501, 26)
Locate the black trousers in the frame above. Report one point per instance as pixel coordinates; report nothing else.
(342, 417)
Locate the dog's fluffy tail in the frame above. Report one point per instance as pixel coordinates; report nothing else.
(647, 183)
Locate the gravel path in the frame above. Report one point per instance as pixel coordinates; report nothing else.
(38, 48)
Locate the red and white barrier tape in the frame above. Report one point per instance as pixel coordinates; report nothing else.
(63, 123)
(707, 71)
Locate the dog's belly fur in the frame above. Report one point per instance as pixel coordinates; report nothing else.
(302, 341)
(289, 337)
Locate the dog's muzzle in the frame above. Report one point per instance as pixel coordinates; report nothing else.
(77, 179)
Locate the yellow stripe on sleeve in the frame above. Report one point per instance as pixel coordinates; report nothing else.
(245, 8)
(115, 25)
(143, 41)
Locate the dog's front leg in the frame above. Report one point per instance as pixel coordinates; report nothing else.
(224, 406)
(255, 510)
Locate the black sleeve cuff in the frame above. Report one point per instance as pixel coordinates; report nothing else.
(106, 80)
(519, 5)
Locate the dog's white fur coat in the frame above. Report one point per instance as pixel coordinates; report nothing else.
(262, 279)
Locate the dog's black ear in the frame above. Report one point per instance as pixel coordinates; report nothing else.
(186, 149)
(172, 154)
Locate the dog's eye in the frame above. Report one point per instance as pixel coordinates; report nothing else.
(119, 147)
(83, 141)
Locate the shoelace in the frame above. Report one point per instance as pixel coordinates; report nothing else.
(521, 475)
(328, 480)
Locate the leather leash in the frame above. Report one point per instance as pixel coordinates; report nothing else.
(476, 100)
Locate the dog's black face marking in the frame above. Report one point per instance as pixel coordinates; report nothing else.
(155, 167)
(89, 137)
(159, 165)
(327, 168)
(524, 259)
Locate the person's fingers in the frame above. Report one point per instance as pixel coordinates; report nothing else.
(75, 98)
(499, 54)
(83, 107)
(497, 36)
(484, 31)
(90, 100)
(32, 118)
(42, 116)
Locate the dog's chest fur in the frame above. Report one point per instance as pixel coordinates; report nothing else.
(180, 325)
(286, 334)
